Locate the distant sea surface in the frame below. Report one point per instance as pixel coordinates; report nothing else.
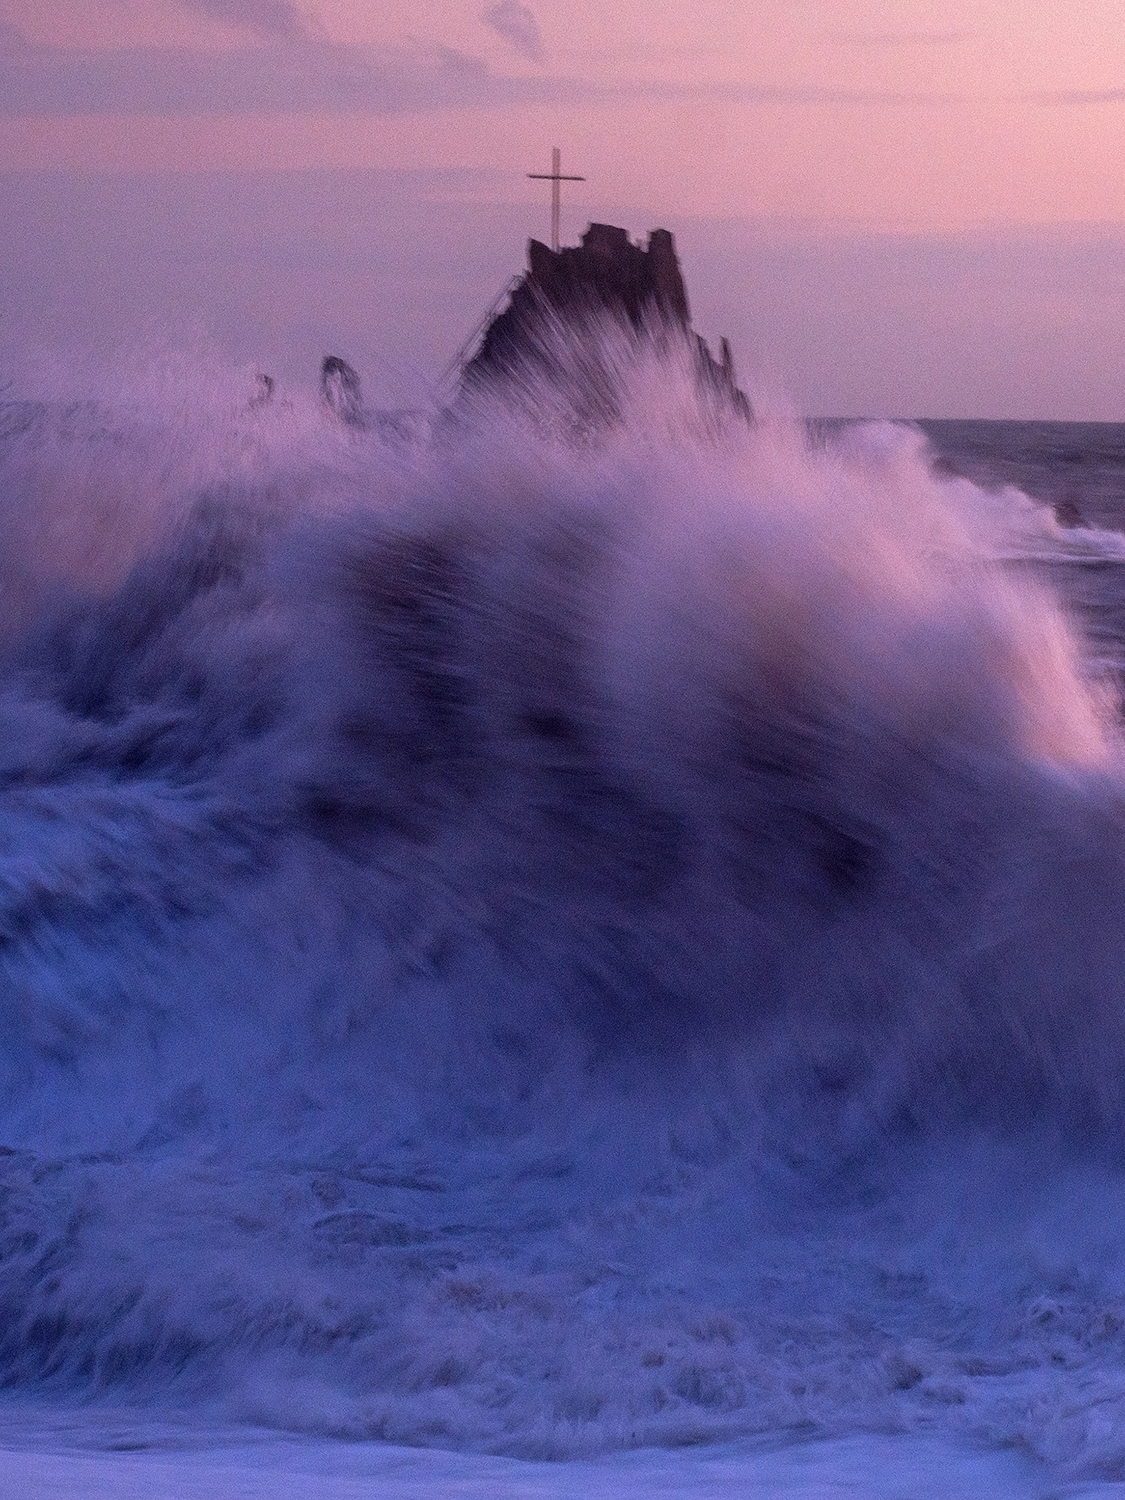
(1076, 468)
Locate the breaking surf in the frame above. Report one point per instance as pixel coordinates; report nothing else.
(544, 937)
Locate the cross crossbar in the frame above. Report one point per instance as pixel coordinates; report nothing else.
(554, 177)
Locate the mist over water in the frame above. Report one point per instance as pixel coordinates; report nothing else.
(543, 938)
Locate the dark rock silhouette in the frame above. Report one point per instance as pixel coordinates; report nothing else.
(1067, 512)
(341, 390)
(265, 386)
(945, 468)
(579, 289)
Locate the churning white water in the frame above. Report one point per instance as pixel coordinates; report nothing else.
(548, 940)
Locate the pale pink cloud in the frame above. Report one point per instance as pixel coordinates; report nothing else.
(516, 23)
(294, 72)
(273, 17)
(895, 39)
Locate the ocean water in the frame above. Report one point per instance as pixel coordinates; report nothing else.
(540, 959)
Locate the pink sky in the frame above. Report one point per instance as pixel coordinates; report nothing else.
(809, 122)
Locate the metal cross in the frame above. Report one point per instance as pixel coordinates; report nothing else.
(554, 177)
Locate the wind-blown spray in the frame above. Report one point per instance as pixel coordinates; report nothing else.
(529, 937)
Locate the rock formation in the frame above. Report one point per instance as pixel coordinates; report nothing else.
(264, 388)
(607, 278)
(341, 391)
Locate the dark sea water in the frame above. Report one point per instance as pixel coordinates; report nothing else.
(1076, 468)
(547, 943)
(1078, 464)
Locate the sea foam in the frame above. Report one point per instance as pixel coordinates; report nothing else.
(544, 936)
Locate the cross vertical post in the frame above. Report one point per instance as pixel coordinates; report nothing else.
(555, 176)
(556, 196)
